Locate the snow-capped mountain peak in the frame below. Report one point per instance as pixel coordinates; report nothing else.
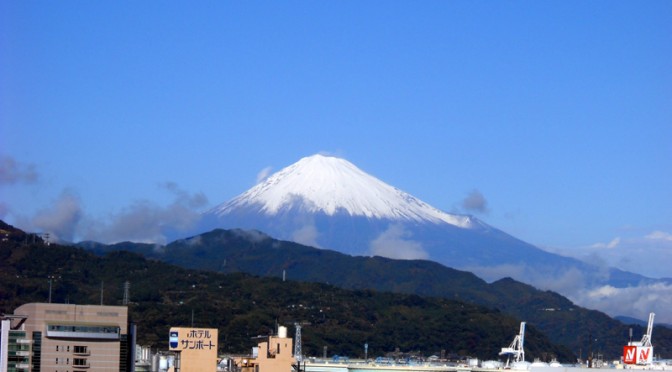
(333, 185)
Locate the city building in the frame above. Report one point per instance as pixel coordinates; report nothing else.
(14, 347)
(196, 349)
(273, 354)
(72, 338)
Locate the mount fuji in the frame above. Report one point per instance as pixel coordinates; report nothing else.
(328, 202)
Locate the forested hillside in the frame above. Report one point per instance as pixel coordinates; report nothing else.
(231, 251)
(243, 306)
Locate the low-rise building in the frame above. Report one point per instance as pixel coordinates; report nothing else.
(75, 338)
(273, 354)
(196, 349)
(14, 347)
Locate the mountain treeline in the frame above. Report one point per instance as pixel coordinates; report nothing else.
(581, 330)
(243, 306)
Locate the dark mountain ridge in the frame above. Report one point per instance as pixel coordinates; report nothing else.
(242, 306)
(253, 252)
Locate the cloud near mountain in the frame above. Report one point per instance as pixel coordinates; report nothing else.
(396, 242)
(328, 202)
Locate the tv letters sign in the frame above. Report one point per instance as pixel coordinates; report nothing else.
(637, 354)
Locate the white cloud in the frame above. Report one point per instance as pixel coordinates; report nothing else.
(636, 301)
(306, 235)
(659, 235)
(611, 245)
(62, 218)
(263, 174)
(392, 243)
(644, 254)
(13, 172)
(147, 222)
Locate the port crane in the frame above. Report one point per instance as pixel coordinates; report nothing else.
(646, 339)
(640, 352)
(516, 349)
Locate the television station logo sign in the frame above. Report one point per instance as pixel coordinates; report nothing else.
(637, 354)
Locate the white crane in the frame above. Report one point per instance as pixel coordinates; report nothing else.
(640, 352)
(516, 348)
(646, 339)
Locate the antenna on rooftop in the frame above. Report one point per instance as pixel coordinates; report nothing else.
(102, 287)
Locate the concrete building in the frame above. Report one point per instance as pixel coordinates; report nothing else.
(14, 347)
(75, 338)
(196, 349)
(273, 354)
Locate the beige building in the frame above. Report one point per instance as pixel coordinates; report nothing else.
(196, 349)
(275, 355)
(272, 355)
(76, 338)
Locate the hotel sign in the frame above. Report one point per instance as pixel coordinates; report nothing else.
(193, 339)
(197, 348)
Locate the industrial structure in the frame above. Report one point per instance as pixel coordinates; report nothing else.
(640, 352)
(516, 349)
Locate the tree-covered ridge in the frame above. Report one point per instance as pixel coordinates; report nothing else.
(243, 306)
(252, 252)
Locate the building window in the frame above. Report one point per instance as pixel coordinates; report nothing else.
(80, 349)
(37, 351)
(79, 362)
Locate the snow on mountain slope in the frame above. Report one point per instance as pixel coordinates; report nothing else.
(331, 185)
(327, 202)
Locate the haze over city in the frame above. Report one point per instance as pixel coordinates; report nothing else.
(550, 121)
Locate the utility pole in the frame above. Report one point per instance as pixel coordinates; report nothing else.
(51, 278)
(127, 288)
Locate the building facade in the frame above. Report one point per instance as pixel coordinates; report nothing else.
(15, 348)
(273, 354)
(76, 338)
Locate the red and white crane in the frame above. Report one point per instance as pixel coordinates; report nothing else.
(640, 352)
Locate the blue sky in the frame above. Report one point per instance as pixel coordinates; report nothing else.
(555, 116)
